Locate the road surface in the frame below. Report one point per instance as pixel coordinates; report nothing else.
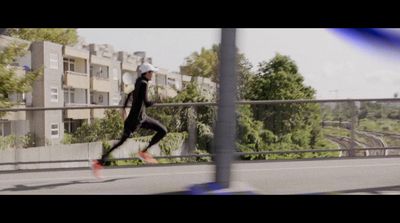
(338, 176)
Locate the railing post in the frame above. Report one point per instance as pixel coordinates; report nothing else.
(353, 126)
(88, 155)
(192, 130)
(16, 158)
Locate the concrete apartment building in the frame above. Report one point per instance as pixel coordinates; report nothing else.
(74, 76)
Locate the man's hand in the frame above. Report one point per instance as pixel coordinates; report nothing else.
(123, 113)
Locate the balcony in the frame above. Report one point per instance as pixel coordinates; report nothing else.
(16, 116)
(74, 52)
(76, 80)
(98, 60)
(100, 84)
(129, 66)
(98, 113)
(77, 113)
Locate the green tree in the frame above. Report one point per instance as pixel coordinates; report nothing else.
(10, 82)
(204, 115)
(245, 77)
(56, 35)
(108, 128)
(192, 93)
(343, 111)
(251, 133)
(363, 112)
(279, 79)
(205, 64)
(176, 118)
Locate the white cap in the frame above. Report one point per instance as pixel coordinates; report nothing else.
(146, 67)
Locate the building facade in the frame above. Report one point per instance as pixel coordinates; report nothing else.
(87, 74)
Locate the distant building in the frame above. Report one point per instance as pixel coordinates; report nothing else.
(86, 74)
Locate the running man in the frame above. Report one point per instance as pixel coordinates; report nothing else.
(137, 118)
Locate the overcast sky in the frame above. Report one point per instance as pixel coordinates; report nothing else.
(334, 66)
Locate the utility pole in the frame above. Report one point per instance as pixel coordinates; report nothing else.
(226, 119)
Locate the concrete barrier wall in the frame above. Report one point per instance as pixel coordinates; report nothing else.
(83, 151)
(7, 156)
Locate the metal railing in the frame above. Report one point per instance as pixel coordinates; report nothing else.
(198, 104)
(76, 73)
(236, 155)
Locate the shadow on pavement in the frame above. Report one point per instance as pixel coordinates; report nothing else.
(21, 187)
(373, 190)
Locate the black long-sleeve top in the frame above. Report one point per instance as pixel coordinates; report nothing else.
(139, 100)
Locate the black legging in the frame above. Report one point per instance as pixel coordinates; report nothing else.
(147, 123)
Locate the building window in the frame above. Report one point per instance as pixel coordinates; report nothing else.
(67, 126)
(72, 65)
(5, 128)
(72, 96)
(54, 94)
(53, 61)
(1, 129)
(100, 72)
(92, 98)
(55, 130)
(65, 65)
(66, 95)
(69, 64)
(69, 96)
(70, 126)
(103, 72)
(21, 98)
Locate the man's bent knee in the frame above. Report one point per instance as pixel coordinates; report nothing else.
(163, 131)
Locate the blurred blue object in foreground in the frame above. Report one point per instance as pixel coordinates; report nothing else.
(377, 39)
(213, 188)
